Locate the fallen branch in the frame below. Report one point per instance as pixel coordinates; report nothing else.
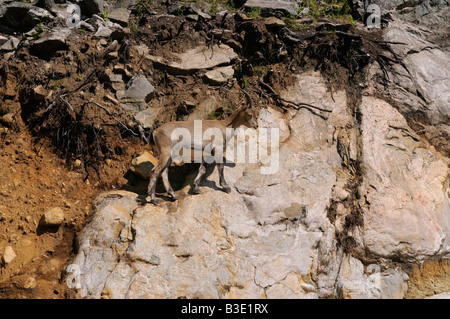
(116, 119)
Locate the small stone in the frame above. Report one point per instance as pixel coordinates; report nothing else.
(8, 119)
(53, 217)
(30, 283)
(219, 75)
(103, 32)
(39, 93)
(274, 22)
(10, 45)
(138, 88)
(8, 255)
(77, 163)
(143, 164)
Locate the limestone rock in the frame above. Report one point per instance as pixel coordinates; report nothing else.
(393, 158)
(3, 40)
(274, 234)
(8, 119)
(147, 117)
(19, 16)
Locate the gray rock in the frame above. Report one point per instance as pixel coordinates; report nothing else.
(10, 45)
(136, 95)
(220, 75)
(90, 7)
(204, 109)
(196, 59)
(120, 16)
(50, 42)
(3, 40)
(419, 84)
(272, 236)
(147, 117)
(268, 7)
(138, 88)
(103, 32)
(14, 17)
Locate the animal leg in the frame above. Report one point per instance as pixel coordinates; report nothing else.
(163, 164)
(167, 186)
(201, 171)
(223, 183)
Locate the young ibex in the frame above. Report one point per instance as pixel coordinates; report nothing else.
(162, 138)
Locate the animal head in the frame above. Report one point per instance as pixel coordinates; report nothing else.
(250, 118)
(245, 116)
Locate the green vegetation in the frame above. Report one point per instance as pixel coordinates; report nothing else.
(255, 12)
(40, 26)
(332, 8)
(260, 70)
(104, 15)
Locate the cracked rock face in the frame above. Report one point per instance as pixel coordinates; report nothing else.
(272, 236)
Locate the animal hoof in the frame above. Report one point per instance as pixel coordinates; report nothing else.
(154, 201)
(196, 191)
(227, 189)
(174, 197)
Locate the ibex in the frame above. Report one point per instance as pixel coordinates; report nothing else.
(162, 138)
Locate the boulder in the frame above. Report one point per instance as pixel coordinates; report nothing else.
(147, 117)
(39, 92)
(273, 22)
(260, 240)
